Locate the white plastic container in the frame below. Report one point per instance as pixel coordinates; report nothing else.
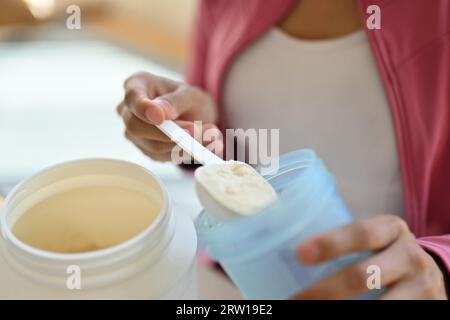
(158, 263)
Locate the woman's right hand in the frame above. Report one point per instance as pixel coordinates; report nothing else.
(150, 99)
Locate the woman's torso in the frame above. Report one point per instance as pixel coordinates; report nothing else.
(326, 95)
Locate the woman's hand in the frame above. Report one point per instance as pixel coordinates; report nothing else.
(407, 271)
(149, 100)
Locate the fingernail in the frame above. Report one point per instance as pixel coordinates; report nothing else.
(165, 105)
(309, 253)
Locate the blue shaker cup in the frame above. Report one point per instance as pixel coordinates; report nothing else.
(258, 252)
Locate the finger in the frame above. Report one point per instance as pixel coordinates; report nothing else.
(211, 132)
(161, 157)
(152, 146)
(180, 101)
(391, 265)
(120, 108)
(154, 84)
(414, 288)
(193, 129)
(155, 147)
(204, 133)
(140, 104)
(166, 157)
(147, 81)
(213, 139)
(363, 235)
(137, 127)
(404, 290)
(209, 135)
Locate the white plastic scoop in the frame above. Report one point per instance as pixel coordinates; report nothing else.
(188, 143)
(226, 189)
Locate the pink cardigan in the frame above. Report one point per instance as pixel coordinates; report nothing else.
(412, 51)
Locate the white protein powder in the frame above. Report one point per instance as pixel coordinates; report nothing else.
(236, 186)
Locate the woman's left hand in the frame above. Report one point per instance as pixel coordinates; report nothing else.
(407, 271)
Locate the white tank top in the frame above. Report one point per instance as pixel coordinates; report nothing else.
(325, 95)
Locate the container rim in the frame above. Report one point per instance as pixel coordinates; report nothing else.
(84, 256)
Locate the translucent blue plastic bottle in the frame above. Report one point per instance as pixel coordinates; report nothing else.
(259, 252)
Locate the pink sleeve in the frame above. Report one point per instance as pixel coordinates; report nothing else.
(439, 246)
(195, 71)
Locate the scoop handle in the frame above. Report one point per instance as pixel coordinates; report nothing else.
(188, 143)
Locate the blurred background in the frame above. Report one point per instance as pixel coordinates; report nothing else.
(59, 87)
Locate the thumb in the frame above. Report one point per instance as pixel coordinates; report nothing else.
(178, 102)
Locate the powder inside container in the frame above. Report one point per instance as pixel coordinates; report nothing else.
(86, 219)
(236, 186)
